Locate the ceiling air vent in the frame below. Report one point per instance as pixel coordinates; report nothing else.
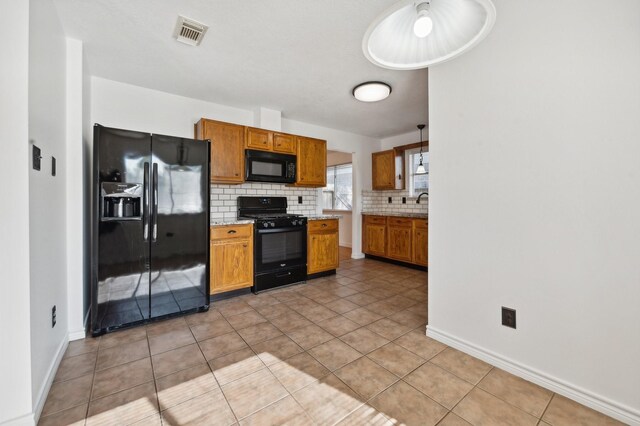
(189, 31)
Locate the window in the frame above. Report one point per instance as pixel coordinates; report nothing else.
(338, 195)
(417, 183)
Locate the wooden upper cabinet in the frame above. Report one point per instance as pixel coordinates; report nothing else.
(399, 239)
(227, 150)
(259, 139)
(228, 142)
(312, 162)
(284, 143)
(387, 170)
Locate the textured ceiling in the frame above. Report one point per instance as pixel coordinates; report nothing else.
(301, 57)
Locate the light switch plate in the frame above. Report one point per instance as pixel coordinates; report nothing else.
(37, 157)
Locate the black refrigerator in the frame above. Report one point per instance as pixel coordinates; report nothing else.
(150, 228)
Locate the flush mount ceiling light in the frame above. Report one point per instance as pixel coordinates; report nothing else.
(417, 34)
(371, 91)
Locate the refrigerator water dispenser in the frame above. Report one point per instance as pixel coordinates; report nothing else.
(121, 201)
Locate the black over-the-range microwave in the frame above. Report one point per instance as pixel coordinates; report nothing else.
(263, 166)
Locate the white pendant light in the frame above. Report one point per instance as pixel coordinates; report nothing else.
(424, 24)
(371, 91)
(421, 170)
(415, 34)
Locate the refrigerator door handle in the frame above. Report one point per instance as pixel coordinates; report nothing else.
(145, 203)
(155, 202)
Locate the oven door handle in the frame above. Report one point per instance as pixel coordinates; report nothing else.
(277, 230)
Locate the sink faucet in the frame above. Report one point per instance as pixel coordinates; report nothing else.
(420, 196)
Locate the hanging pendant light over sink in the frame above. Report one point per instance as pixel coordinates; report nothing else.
(421, 170)
(415, 34)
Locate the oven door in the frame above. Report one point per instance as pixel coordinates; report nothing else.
(264, 166)
(280, 248)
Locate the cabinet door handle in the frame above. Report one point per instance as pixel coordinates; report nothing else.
(231, 232)
(324, 225)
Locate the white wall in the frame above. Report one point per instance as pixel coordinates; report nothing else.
(75, 192)
(122, 105)
(535, 198)
(87, 155)
(15, 341)
(47, 194)
(125, 106)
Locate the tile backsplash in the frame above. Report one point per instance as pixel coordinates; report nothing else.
(224, 203)
(378, 202)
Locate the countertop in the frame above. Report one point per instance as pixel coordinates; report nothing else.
(324, 217)
(414, 215)
(223, 222)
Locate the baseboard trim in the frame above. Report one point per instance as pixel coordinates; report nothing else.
(599, 403)
(77, 335)
(26, 420)
(51, 373)
(357, 255)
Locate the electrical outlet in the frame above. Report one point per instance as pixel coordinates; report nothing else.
(53, 316)
(299, 199)
(404, 200)
(389, 200)
(508, 317)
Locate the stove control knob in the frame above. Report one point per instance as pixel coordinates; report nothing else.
(265, 225)
(294, 222)
(273, 225)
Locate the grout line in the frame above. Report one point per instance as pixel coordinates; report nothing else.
(553, 395)
(155, 384)
(93, 381)
(210, 369)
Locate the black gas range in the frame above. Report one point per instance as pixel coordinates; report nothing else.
(280, 246)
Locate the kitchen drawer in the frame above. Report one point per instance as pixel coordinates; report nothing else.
(322, 225)
(399, 221)
(375, 220)
(420, 223)
(231, 231)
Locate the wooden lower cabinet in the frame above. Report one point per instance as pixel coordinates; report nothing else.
(231, 251)
(322, 246)
(420, 242)
(398, 238)
(374, 230)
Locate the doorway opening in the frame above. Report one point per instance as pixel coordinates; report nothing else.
(338, 195)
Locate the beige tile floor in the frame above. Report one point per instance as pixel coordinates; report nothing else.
(348, 349)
